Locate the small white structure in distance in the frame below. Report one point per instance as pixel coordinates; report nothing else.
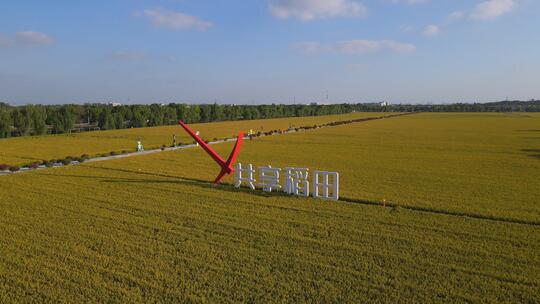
(140, 147)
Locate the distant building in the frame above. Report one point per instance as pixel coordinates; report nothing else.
(114, 104)
(383, 104)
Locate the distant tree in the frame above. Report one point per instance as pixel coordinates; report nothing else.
(68, 116)
(22, 120)
(106, 120)
(126, 115)
(216, 112)
(205, 113)
(169, 115)
(231, 112)
(81, 113)
(194, 114)
(156, 115)
(93, 113)
(5, 122)
(38, 120)
(181, 111)
(140, 116)
(118, 120)
(62, 119)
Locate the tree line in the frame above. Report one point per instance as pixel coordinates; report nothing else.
(58, 119)
(502, 106)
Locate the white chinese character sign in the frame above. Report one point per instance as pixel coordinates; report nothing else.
(244, 175)
(269, 178)
(325, 185)
(296, 181)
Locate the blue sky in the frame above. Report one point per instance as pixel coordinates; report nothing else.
(264, 51)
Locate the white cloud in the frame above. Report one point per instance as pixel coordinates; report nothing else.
(32, 38)
(355, 47)
(25, 38)
(307, 10)
(485, 10)
(457, 15)
(310, 47)
(175, 20)
(491, 9)
(432, 30)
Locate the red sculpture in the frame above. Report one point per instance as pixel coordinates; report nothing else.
(226, 166)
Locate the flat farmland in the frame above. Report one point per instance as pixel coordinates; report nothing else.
(477, 164)
(471, 164)
(23, 150)
(463, 227)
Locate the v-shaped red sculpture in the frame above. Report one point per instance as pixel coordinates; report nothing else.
(226, 166)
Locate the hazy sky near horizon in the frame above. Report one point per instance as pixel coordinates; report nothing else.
(264, 51)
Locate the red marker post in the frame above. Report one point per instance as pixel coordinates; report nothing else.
(226, 166)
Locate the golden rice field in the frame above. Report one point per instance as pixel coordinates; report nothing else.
(478, 164)
(463, 225)
(24, 150)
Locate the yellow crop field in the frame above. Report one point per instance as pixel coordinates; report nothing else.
(462, 223)
(472, 164)
(477, 164)
(23, 150)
